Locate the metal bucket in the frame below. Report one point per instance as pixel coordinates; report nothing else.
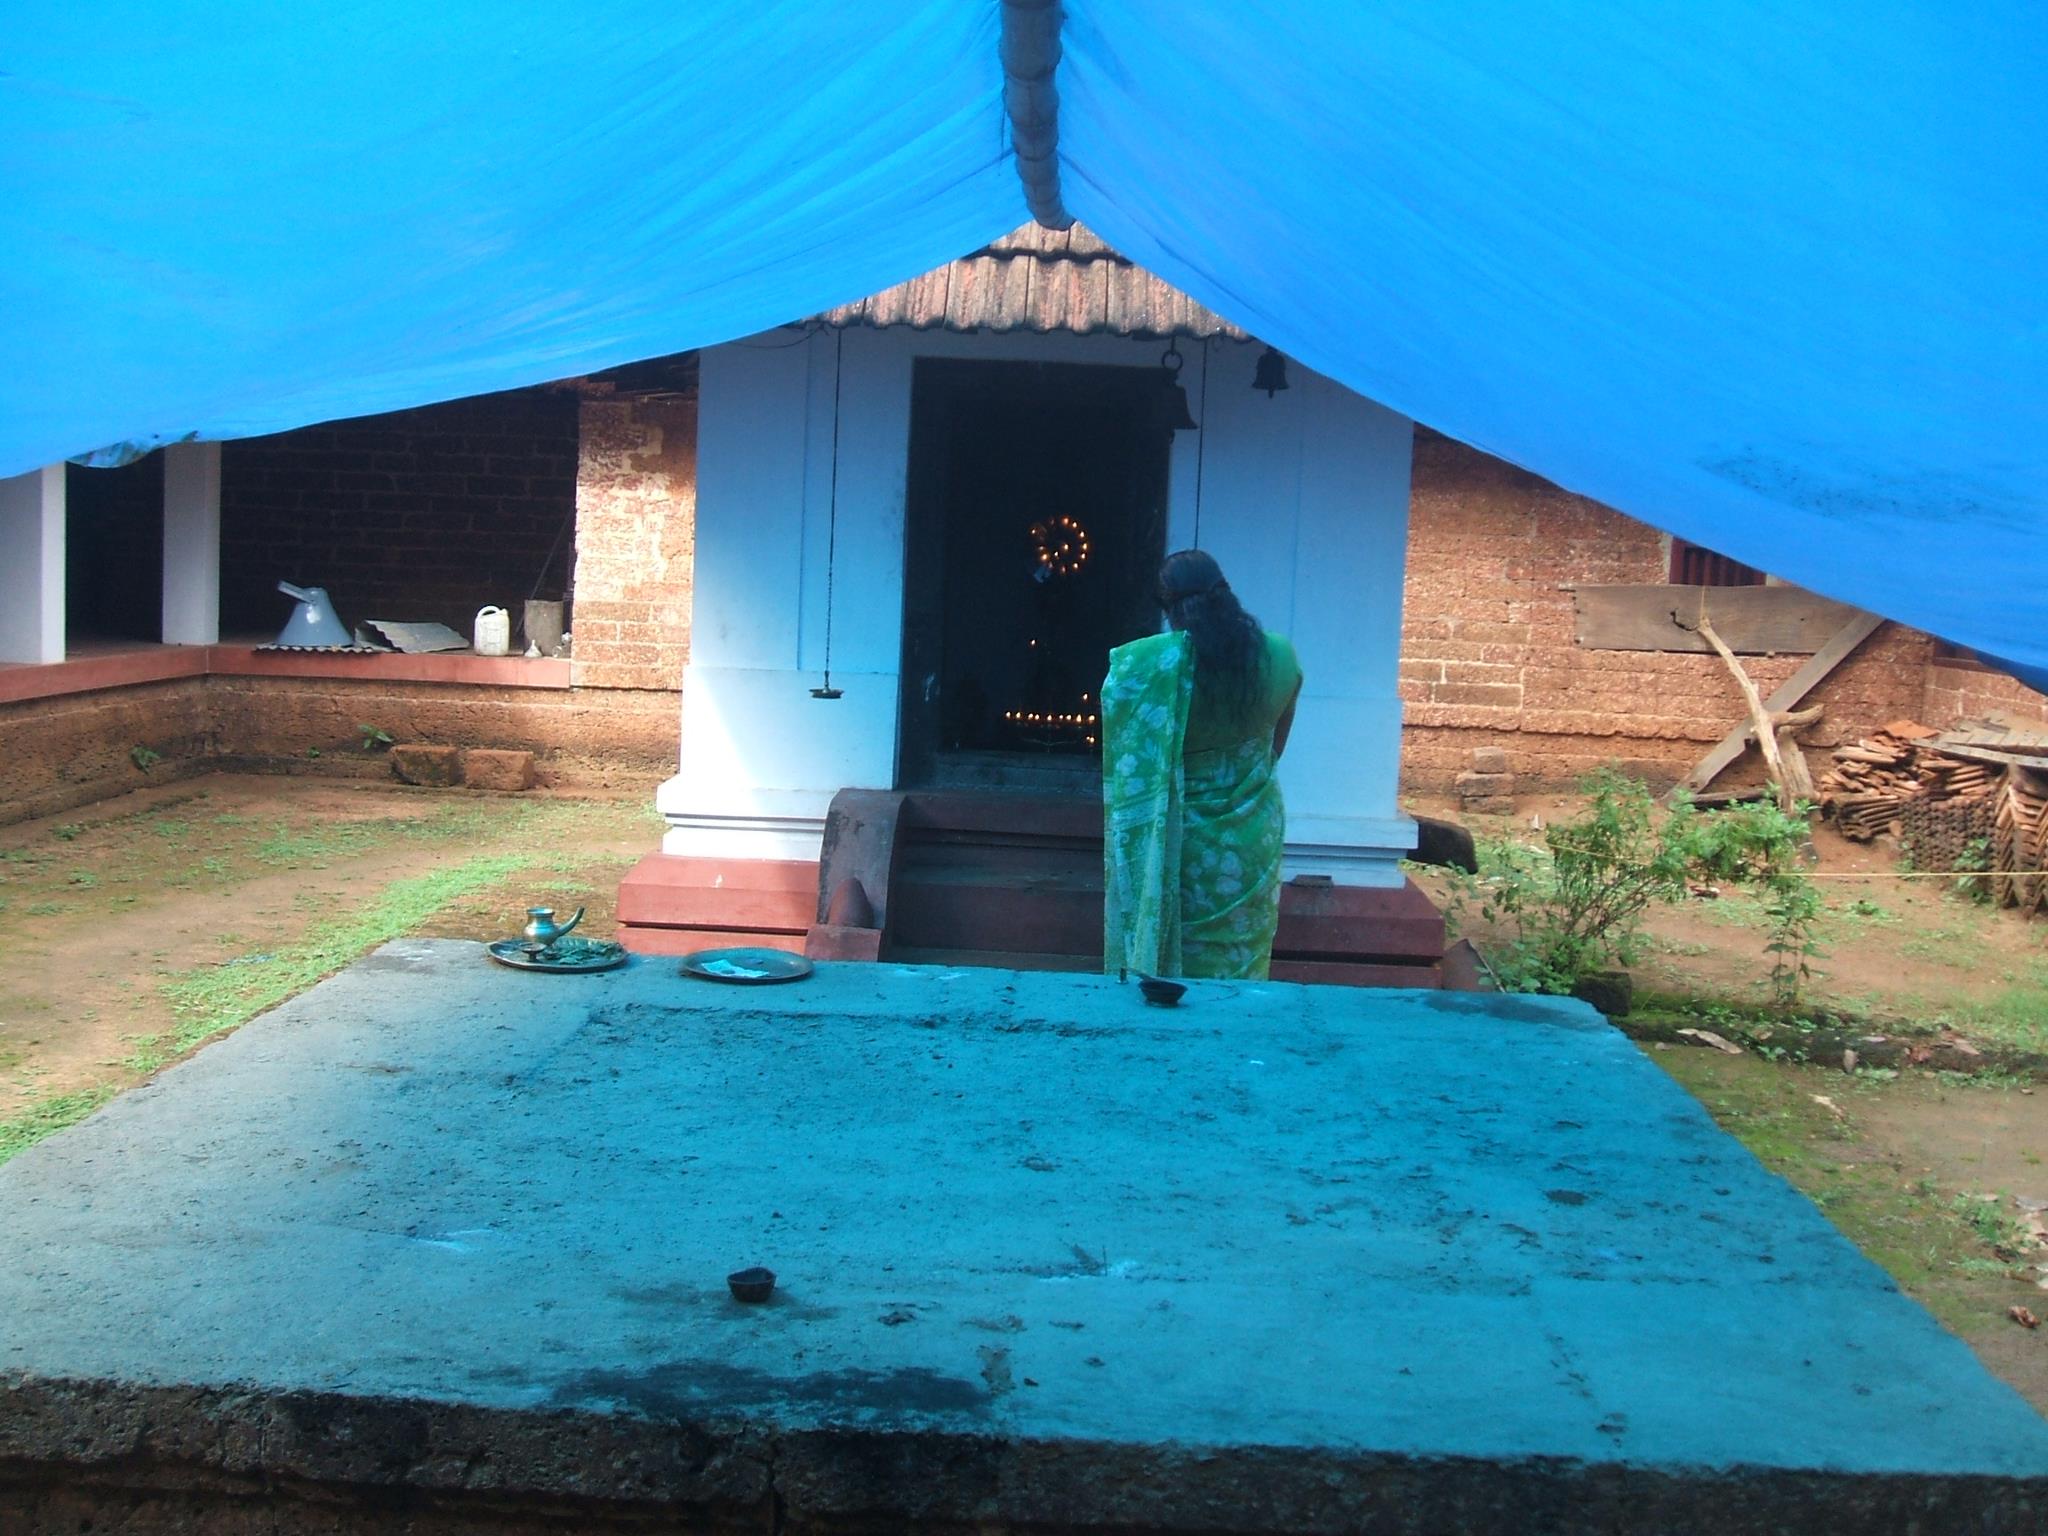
(542, 622)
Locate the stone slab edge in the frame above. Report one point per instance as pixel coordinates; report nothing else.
(188, 1458)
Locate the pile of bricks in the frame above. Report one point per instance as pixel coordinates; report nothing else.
(2019, 841)
(1947, 834)
(1972, 798)
(1488, 787)
(1873, 780)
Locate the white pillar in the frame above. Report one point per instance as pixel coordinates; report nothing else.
(192, 544)
(1305, 503)
(32, 566)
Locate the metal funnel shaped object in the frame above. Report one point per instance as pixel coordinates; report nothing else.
(314, 621)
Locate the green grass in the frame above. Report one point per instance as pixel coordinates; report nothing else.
(1655, 944)
(46, 1117)
(1950, 1248)
(1954, 946)
(1857, 918)
(210, 1000)
(1990, 1223)
(2016, 1015)
(1733, 908)
(290, 847)
(314, 844)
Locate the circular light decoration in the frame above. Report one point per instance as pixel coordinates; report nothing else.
(1062, 545)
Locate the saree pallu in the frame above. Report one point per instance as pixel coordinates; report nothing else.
(1145, 703)
(1191, 844)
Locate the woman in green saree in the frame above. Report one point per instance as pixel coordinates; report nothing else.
(1193, 723)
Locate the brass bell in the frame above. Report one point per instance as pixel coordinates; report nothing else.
(1271, 373)
(1174, 415)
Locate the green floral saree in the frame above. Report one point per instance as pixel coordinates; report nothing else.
(1192, 841)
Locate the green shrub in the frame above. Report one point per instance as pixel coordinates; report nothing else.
(1575, 905)
(1759, 844)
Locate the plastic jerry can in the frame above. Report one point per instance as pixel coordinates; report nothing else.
(493, 632)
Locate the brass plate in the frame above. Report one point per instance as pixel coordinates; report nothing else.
(577, 961)
(746, 967)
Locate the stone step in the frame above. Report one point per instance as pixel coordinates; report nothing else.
(988, 907)
(1008, 880)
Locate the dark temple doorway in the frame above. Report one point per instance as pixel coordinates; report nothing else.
(1036, 521)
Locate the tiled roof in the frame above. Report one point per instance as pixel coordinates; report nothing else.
(1037, 279)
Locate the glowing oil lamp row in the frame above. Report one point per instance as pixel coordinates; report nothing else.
(1036, 717)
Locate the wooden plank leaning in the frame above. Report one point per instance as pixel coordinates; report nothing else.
(1785, 696)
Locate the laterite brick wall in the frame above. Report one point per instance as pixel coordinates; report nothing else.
(74, 749)
(427, 514)
(1963, 692)
(77, 748)
(578, 737)
(636, 511)
(1489, 656)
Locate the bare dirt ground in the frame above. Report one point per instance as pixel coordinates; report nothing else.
(133, 921)
(141, 927)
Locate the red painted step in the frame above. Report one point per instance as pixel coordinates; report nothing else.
(969, 878)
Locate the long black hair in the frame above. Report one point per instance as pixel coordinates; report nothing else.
(1230, 647)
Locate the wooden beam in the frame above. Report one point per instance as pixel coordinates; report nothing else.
(1787, 694)
(1977, 754)
(1754, 621)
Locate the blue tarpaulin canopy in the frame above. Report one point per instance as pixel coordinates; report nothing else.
(1773, 278)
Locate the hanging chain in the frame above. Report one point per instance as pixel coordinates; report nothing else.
(1201, 441)
(832, 517)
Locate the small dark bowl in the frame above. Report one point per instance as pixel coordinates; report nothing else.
(1161, 994)
(751, 1284)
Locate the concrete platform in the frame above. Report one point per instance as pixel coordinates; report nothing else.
(440, 1247)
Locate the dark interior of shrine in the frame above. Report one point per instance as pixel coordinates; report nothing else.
(1037, 524)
